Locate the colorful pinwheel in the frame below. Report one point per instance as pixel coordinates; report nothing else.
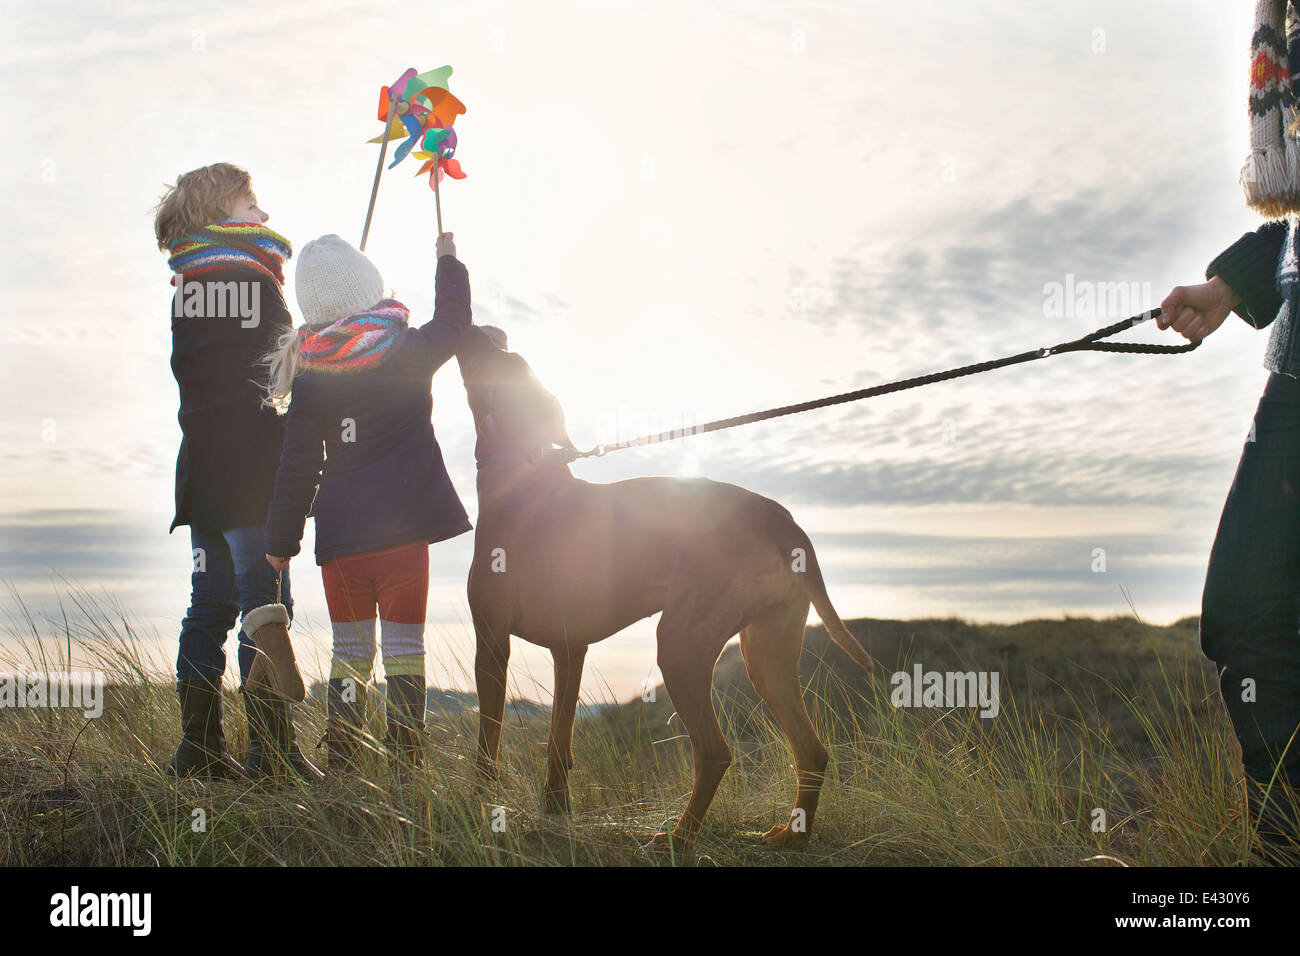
(422, 101)
(439, 157)
(426, 110)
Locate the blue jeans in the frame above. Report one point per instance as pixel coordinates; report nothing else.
(231, 577)
(1250, 610)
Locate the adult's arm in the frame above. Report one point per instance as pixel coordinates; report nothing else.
(1249, 267)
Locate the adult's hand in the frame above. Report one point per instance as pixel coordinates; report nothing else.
(277, 562)
(1194, 311)
(446, 245)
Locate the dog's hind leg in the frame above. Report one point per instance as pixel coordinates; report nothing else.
(689, 645)
(559, 748)
(491, 658)
(770, 646)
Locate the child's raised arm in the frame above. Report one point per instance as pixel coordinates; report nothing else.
(451, 309)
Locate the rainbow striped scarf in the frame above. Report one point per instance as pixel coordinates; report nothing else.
(353, 343)
(225, 244)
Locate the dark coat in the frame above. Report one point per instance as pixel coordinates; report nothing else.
(1252, 268)
(384, 483)
(1249, 266)
(230, 448)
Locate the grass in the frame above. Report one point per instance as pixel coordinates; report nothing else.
(1111, 716)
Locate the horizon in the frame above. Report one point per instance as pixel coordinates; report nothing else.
(313, 656)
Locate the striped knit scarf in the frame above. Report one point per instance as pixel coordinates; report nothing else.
(353, 343)
(1271, 175)
(225, 244)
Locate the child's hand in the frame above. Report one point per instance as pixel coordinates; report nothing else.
(446, 245)
(276, 562)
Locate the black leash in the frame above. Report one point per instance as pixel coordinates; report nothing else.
(1089, 343)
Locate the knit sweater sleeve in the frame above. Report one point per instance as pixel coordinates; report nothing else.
(301, 459)
(1249, 266)
(451, 311)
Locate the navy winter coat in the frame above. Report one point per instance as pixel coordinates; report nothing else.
(230, 448)
(383, 482)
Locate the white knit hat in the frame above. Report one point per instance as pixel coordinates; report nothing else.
(334, 280)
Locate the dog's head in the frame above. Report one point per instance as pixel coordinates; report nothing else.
(511, 409)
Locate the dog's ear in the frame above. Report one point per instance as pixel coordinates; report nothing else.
(472, 343)
(495, 335)
(478, 340)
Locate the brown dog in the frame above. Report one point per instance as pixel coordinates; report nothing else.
(563, 563)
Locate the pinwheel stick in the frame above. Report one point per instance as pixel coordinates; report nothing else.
(437, 199)
(374, 189)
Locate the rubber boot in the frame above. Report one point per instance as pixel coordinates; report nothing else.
(272, 746)
(202, 750)
(406, 701)
(345, 726)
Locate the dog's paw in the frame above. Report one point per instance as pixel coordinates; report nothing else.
(666, 846)
(557, 802)
(660, 845)
(781, 836)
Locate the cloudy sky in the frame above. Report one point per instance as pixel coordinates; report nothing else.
(679, 212)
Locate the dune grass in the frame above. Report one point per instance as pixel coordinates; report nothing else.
(905, 787)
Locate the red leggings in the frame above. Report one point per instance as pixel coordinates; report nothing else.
(395, 584)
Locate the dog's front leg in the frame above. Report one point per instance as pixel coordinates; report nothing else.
(491, 657)
(559, 748)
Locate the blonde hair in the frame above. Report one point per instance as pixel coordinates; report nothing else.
(198, 198)
(282, 366)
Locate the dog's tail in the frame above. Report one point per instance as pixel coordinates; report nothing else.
(815, 588)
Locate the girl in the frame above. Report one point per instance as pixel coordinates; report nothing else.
(227, 310)
(360, 410)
